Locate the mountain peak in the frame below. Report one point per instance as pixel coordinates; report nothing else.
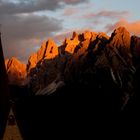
(75, 35)
(50, 41)
(88, 59)
(120, 38)
(121, 29)
(14, 59)
(70, 44)
(16, 71)
(48, 50)
(51, 49)
(87, 35)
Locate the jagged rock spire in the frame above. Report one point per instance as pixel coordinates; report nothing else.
(16, 71)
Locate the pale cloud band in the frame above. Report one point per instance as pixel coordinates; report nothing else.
(132, 27)
(107, 14)
(29, 6)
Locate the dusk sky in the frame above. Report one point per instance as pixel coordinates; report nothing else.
(25, 24)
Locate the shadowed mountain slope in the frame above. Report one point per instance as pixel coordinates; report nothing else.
(88, 79)
(91, 62)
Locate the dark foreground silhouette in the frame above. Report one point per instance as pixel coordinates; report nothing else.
(72, 110)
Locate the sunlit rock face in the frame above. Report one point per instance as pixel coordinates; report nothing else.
(41, 66)
(118, 51)
(48, 50)
(120, 40)
(91, 60)
(79, 56)
(90, 45)
(16, 71)
(32, 61)
(70, 44)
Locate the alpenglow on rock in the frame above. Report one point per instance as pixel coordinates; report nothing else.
(16, 71)
(48, 50)
(89, 59)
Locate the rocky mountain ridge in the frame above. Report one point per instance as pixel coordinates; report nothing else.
(16, 71)
(92, 60)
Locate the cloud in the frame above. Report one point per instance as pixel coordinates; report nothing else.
(107, 14)
(70, 11)
(132, 27)
(25, 32)
(23, 29)
(67, 34)
(59, 38)
(74, 1)
(29, 6)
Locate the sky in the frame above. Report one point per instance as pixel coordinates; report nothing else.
(25, 24)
